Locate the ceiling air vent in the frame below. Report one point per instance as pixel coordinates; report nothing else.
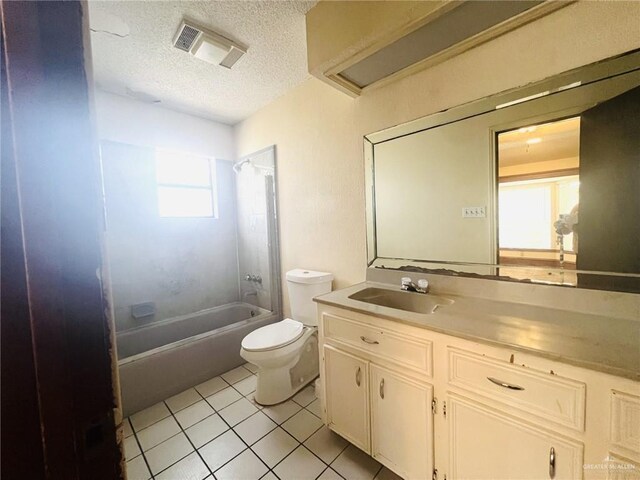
(207, 45)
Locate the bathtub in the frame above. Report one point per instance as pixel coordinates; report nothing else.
(160, 360)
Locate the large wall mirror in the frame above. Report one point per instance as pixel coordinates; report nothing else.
(536, 184)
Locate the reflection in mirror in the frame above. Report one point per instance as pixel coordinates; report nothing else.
(538, 184)
(538, 196)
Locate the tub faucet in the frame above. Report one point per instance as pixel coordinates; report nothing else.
(408, 285)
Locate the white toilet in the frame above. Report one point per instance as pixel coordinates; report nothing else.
(286, 352)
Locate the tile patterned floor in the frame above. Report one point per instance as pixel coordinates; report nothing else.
(215, 430)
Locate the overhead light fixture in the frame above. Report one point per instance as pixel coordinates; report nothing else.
(533, 141)
(207, 45)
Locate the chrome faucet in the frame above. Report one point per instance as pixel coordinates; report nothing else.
(253, 278)
(408, 285)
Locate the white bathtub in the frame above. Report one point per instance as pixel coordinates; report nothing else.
(159, 360)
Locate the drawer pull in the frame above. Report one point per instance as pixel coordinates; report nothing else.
(500, 383)
(370, 342)
(358, 372)
(552, 462)
(382, 389)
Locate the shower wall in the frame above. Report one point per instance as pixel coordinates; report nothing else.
(256, 221)
(183, 265)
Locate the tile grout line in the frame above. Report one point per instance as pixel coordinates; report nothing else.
(182, 430)
(232, 429)
(135, 434)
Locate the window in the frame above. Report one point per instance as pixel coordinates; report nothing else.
(527, 210)
(185, 184)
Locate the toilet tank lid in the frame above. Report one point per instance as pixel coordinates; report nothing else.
(300, 275)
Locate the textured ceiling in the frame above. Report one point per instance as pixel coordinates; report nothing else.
(556, 140)
(133, 52)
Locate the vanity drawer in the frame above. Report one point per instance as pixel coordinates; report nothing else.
(392, 346)
(541, 394)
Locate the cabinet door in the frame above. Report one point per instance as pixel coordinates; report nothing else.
(347, 396)
(401, 424)
(487, 444)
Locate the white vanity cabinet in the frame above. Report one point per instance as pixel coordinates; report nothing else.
(347, 396)
(487, 444)
(430, 405)
(401, 423)
(371, 402)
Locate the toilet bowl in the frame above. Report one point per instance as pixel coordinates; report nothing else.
(286, 352)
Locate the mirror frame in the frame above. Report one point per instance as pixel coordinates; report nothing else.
(627, 63)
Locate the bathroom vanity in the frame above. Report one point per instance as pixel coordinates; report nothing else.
(484, 388)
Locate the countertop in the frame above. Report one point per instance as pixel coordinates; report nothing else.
(606, 344)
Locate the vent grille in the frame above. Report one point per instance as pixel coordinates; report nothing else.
(186, 38)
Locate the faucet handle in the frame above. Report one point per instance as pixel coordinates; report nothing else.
(423, 284)
(406, 281)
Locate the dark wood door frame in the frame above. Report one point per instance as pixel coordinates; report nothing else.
(53, 293)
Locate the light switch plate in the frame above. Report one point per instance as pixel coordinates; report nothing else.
(473, 212)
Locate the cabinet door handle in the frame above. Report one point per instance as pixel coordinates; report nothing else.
(382, 389)
(370, 342)
(500, 383)
(358, 372)
(552, 462)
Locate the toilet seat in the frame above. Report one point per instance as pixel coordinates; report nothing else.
(271, 337)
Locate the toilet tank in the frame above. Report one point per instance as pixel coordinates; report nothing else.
(303, 286)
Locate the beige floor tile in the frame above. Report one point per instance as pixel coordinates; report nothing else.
(168, 452)
(315, 407)
(211, 386)
(254, 428)
(326, 444)
(235, 375)
(222, 449)
(193, 414)
(157, 433)
(354, 464)
(302, 425)
(275, 446)
(282, 412)
(252, 398)
(149, 416)
(206, 430)
(245, 466)
(269, 476)
(329, 474)
(183, 400)
(251, 367)
(246, 386)
(189, 468)
(131, 448)
(224, 398)
(305, 396)
(300, 465)
(386, 474)
(137, 469)
(238, 411)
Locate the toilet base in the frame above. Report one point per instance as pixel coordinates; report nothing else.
(277, 384)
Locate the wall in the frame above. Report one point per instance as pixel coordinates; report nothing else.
(318, 130)
(124, 120)
(182, 264)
